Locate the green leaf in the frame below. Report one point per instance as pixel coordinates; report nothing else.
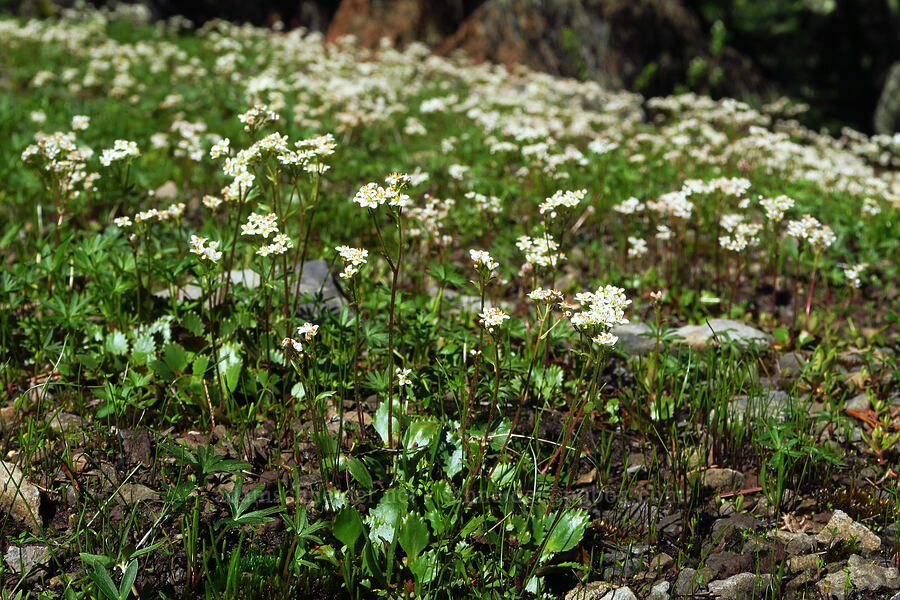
(414, 536)
(128, 579)
(104, 582)
(360, 473)
(144, 347)
(192, 323)
(567, 532)
(176, 357)
(232, 372)
(348, 526)
(421, 433)
(385, 518)
(116, 343)
(782, 335)
(380, 421)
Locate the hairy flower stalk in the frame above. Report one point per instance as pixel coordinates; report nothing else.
(353, 258)
(372, 196)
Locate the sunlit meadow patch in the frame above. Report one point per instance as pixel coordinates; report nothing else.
(513, 253)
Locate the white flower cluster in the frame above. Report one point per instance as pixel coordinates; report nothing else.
(483, 260)
(489, 204)
(260, 225)
(548, 296)
(403, 376)
(776, 207)
(605, 310)
(741, 234)
(540, 251)
(121, 150)
(629, 207)
(431, 217)
(562, 199)
(61, 159)
(372, 195)
(636, 247)
(173, 212)
(673, 204)
(353, 258)
(80, 122)
(852, 274)
(810, 229)
(602, 146)
(205, 251)
(493, 317)
(280, 244)
(870, 207)
(257, 116)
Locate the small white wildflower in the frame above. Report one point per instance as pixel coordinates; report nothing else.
(81, 122)
(493, 317)
(403, 376)
(482, 259)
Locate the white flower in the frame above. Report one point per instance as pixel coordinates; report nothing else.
(212, 202)
(122, 222)
(542, 295)
(260, 225)
(205, 251)
(81, 122)
(489, 204)
(852, 273)
(403, 376)
(776, 207)
(482, 259)
(353, 258)
(220, 148)
(870, 207)
(636, 247)
(121, 150)
(308, 331)
(605, 339)
(629, 207)
(493, 317)
(296, 345)
(541, 252)
(564, 199)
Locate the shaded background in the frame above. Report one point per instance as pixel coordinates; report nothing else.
(835, 55)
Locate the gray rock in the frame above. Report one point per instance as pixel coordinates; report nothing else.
(722, 330)
(791, 364)
(62, 422)
(166, 191)
(317, 281)
(867, 575)
(733, 526)
(722, 479)
(687, 583)
(132, 493)
(22, 559)
(634, 338)
(842, 528)
(594, 590)
(796, 543)
(742, 585)
(806, 562)
(769, 403)
(623, 593)
(659, 591)
(857, 402)
(19, 496)
(834, 585)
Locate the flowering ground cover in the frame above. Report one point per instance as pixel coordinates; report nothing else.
(287, 320)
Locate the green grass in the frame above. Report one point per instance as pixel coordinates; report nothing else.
(492, 460)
